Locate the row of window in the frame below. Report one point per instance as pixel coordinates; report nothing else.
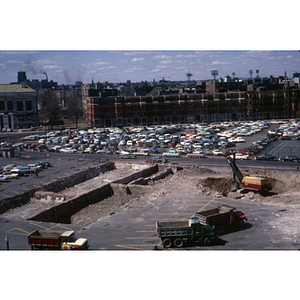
(19, 106)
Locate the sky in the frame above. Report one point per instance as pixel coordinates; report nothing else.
(67, 67)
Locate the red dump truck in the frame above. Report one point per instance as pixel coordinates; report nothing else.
(64, 240)
(222, 217)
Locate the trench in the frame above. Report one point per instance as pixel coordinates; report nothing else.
(115, 194)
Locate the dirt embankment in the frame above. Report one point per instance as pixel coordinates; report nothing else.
(285, 188)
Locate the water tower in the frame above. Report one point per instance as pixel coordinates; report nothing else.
(189, 77)
(250, 72)
(214, 73)
(257, 72)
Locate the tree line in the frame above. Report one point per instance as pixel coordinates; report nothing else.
(53, 107)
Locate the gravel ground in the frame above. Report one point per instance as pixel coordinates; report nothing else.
(192, 179)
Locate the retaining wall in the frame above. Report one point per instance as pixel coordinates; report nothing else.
(62, 213)
(56, 186)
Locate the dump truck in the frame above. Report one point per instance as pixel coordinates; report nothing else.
(254, 183)
(54, 240)
(180, 233)
(223, 217)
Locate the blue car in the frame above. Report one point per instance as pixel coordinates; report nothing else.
(154, 150)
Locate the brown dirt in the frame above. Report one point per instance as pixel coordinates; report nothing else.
(198, 180)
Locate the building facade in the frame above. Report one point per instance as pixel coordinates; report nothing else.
(191, 108)
(18, 106)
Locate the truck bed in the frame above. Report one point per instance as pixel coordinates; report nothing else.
(215, 216)
(172, 224)
(44, 233)
(223, 209)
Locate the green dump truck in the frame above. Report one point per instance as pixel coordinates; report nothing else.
(179, 233)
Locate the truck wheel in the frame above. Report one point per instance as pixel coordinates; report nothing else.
(241, 224)
(178, 243)
(208, 241)
(221, 228)
(167, 243)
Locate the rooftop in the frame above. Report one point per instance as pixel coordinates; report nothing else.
(15, 88)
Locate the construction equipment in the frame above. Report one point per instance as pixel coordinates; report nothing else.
(255, 183)
(179, 233)
(222, 217)
(56, 240)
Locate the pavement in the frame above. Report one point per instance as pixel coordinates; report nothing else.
(133, 227)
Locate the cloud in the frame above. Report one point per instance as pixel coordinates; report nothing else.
(221, 63)
(137, 59)
(100, 63)
(160, 57)
(14, 62)
(289, 56)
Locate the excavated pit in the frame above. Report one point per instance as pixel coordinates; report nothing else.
(117, 185)
(85, 202)
(285, 188)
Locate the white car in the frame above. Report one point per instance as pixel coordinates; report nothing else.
(240, 156)
(217, 152)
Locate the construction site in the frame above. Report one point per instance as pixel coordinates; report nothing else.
(115, 186)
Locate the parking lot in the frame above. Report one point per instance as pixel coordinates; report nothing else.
(132, 227)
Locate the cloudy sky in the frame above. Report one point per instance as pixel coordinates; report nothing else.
(66, 67)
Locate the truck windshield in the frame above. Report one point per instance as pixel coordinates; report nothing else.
(72, 239)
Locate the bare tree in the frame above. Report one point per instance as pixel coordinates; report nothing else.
(49, 108)
(74, 107)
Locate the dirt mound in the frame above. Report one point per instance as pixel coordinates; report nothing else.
(221, 185)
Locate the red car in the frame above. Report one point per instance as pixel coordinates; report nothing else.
(32, 146)
(285, 137)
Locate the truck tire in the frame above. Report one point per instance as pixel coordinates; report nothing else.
(208, 241)
(241, 224)
(167, 243)
(178, 243)
(221, 228)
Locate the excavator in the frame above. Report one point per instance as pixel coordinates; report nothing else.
(254, 183)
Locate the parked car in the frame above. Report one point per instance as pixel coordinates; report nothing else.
(217, 152)
(196, 155)
(265, 156)
(240, 156)
(127, 156)
(26, 171)
(288, 158)
(286, 137)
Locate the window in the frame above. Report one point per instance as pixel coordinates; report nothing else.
(2, 106)
(20, 105)
(28, 105)
(9, 105)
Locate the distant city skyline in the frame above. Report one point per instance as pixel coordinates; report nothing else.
(67, 67)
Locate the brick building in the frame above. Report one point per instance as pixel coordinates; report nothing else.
(187, 108)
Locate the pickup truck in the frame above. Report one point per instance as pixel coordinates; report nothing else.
(222, 217)
(171, 153)
(180, 233)
(56, 240)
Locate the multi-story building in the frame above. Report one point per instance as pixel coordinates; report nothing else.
(35, 83)
(187, 108)
(18, 106)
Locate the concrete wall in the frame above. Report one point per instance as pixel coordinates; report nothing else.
(62, 213)
(56, 186)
